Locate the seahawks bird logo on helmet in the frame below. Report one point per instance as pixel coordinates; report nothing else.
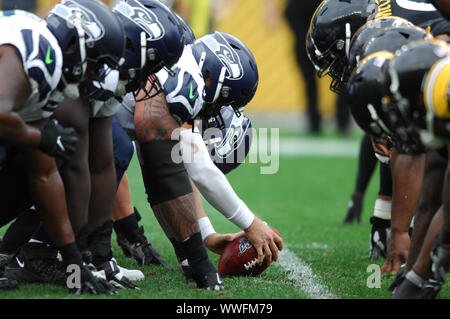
(227, 55)
(74, 12)
(144, 18)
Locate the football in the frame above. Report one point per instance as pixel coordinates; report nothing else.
(240, 258)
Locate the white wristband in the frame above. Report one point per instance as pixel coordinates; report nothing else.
(243, 217)
(382, 208)
(205, 226)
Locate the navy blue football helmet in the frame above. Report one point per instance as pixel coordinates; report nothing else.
(332, 27)
(154, 39)
(228, 146)
(189, 36)
(229, 70)
(87, 31)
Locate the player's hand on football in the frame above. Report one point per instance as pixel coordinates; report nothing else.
(266, 241)
(217, 242)
(58, 141)
(397, 252)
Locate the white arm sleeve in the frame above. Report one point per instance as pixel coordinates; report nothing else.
(211, 182)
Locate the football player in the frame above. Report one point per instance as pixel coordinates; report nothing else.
(395, 119)
(436, 102)
(184, 94)
(367, 158)
(44, 57)
(331, 50)
(409, 124)
(90, 175)
(394, 33)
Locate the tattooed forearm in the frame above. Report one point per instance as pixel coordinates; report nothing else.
(177, 217)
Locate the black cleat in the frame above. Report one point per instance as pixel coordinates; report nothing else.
(431, 289)
(407, 290)
(36, 263)
(186, 270)
(7, 283)
(209, 281)
(205, 275)
(354, 210)
(379, 237)
(4, 260)
(398, 278)
(143, 251)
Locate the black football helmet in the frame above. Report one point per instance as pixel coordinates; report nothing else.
(87, 31)
(229, 145)
(318, 63)
(393, 38)
(332, 27)
(366, 87)
(405, 103)
(154, 39)
(365, 34)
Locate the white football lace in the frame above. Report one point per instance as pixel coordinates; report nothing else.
(251, 264)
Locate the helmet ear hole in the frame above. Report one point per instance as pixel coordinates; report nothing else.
(71, 46)
(207, 78)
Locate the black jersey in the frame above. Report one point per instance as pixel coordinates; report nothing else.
(418, 12)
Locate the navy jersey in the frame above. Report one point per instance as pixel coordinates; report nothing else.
(418, 12)
(41, 58)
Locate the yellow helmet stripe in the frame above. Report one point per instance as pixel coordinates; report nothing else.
(382, 54)
(436, 88)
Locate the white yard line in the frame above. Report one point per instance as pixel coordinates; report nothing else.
(301, 274)
(318, 147)
(323, 147)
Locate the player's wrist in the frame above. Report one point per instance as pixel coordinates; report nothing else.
(71, 254)
(243, 217)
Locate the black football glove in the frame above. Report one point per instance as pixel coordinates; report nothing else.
(379, 237)
(115, 276)
(93, 283)
(58, 141)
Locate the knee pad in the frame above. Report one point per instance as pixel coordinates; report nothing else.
(163, 178)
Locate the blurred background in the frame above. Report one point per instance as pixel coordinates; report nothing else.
(274, 31)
